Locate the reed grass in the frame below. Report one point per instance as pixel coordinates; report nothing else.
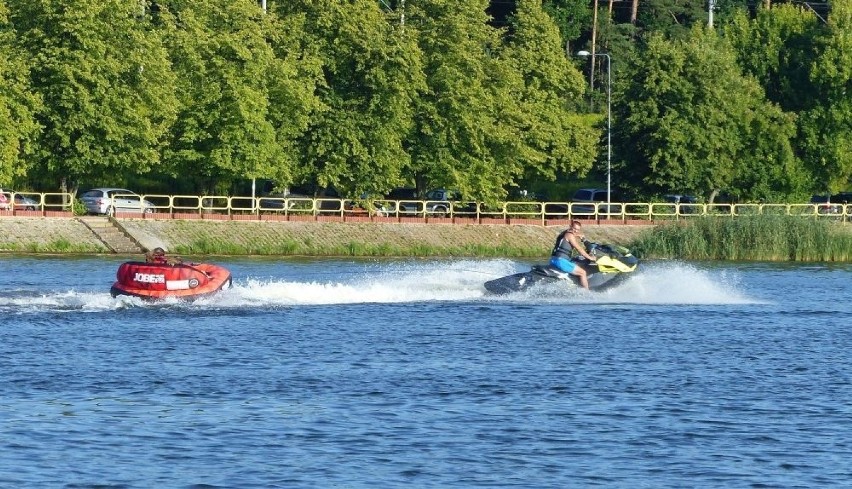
(748, 238)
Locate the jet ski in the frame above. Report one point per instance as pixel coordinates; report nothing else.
(168, 279)
(613, 265)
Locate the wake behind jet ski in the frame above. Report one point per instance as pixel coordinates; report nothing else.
(612, 266)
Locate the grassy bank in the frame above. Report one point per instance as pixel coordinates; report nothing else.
(356, 248)
(55, 246)
(759, 238)
(748, 238)
(361, 239)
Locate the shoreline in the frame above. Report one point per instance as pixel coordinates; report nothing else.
(64, 236)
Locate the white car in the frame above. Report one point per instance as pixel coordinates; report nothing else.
(108, 201)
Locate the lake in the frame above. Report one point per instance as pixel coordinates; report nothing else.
(403, 373)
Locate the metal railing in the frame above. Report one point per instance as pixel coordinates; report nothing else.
(189, 206)
(26, 203)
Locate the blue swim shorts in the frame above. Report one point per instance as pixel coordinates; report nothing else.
(563, 264)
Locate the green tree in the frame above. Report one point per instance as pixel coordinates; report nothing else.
(106, 84)
(18, 105)
(371, 78)
(467, 121)
(777, 47)
(689, 121)
(572, 17)
(293, 82)
(228, 75)
(825, 134)
(555, 139)
(671, 18)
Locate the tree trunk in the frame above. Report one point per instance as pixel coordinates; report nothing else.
(609, 26)
(594, 41)
(713, 195)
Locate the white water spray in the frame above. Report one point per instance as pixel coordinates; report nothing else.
(422, 281)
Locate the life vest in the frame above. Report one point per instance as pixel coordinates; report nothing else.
(563, 247)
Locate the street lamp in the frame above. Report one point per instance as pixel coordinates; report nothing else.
(608, 124)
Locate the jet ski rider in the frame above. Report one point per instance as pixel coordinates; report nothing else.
(569, 244)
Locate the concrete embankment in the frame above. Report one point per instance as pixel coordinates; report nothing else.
(197, 236)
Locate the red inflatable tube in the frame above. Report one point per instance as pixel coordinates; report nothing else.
(162, 280)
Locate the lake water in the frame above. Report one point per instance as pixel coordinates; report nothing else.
(402, 373)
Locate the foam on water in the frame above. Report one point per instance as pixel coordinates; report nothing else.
(656, 283)
(431, 281)
(680, 283)
(458, 280)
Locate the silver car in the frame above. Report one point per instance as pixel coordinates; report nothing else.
(108, 201)
(22, 202)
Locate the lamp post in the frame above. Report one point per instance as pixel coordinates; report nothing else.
(608, 124)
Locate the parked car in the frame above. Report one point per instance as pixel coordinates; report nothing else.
(402, 193)
(108, 201)
(842, 198)
(22, 202)
(826, 204)
(440, 201)
(408, 199)
(365, 202)
(689, 203)
(588, 200)
(286, 201)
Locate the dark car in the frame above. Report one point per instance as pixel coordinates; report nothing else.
(842, 198)
(688, 203)
(407, 198)
(402, 193)
(288, 202)
(587, 201)
(301, 199)
(826, 204)
(440, 201)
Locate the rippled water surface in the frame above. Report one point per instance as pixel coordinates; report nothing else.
(360, 374)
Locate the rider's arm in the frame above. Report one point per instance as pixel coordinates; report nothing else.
(581, 248)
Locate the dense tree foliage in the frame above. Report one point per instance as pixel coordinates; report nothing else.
(106, 83)
(572, 17)
(226, 71)
(464, 120)
(556, 140)
(371, 78)
(826, 128)
(366, 95)
(693, 123)
(18, 105)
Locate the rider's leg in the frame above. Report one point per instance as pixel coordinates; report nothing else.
(584, 279)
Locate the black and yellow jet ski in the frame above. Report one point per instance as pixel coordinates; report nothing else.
(612, 266)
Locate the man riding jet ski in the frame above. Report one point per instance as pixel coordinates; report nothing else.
(590, 265)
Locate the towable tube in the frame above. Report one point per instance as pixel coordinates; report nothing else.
(161, 280)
